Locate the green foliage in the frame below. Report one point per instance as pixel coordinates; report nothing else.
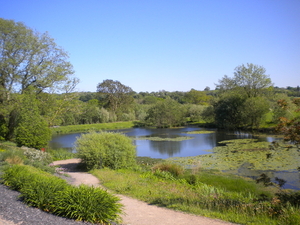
(290, 128)
(105, 149)
(228, 111)
(88, 127)
(205, 193)
(244, 98)
(255, 108)
(167, 113)
(61, 154)
(249, 79)
(194, 112)
(197, 97)
(13, 156)
(54, 195)
(116, 96)
(87, 203)
(32, 130)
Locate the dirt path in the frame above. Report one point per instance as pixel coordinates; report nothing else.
(138, 212)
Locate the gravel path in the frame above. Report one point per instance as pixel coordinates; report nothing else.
(13, 211)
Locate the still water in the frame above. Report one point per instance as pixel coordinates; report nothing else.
(200, 144)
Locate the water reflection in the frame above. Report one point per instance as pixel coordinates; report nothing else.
(201, 144)
(169, 148)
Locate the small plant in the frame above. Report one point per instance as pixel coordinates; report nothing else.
(37, 155)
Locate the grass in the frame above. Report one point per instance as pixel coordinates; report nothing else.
(88, 127)
(202, 192)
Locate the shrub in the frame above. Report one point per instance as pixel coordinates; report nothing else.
(54, 195)
(37, 155)
(175, 169)
(106, 149)
(41, 191)
(87, 203)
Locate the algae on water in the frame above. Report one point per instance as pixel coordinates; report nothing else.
(235, 153)
(181, 138)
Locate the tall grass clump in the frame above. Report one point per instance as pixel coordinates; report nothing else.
(175, 169)
(54, 195)
(61, 154)
(106, 149)
(87, 203)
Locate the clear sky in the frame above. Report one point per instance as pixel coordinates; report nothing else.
(172, 45)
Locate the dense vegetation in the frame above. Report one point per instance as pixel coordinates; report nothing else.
(106, 150)
(36, 95)
(37, 83)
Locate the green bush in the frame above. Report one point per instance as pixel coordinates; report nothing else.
(106, 149)
(87, 203)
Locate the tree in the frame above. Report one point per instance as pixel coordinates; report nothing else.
(243, 99)
(290, 128)
(228, 111)
(30, 59)
(32, 129)
(250, 79)
(197, 97)
(167, 113)
(254, 110)
(117, 97)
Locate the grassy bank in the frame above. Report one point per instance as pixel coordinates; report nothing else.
(88, 127)
(203, 192)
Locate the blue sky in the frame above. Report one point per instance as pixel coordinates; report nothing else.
(172, 45)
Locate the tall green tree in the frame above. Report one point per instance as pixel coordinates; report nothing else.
(29, 60)
(116, 96)
(166, 113)
(243, 98)
(250, 79)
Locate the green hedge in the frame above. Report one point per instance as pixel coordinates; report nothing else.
(54, 195)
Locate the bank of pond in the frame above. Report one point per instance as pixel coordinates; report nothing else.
(239, 153)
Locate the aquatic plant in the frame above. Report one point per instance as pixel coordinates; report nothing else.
(181, 138)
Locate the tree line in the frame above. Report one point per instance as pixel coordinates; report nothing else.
(37, 92)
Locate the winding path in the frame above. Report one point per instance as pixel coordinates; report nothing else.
(137, 212)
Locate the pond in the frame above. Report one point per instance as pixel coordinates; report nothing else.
(198, 145)
(163, 143)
